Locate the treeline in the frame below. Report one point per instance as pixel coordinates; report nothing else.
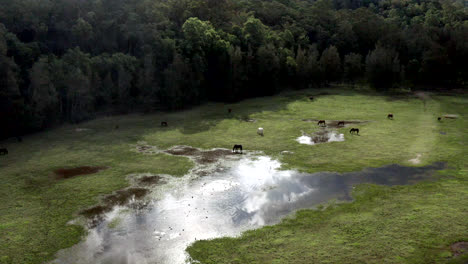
(66, 60)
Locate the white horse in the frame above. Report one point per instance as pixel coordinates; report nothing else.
(260, 131)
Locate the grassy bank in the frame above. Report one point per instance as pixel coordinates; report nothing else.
(383, 223)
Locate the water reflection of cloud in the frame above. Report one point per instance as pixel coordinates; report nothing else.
(331, 136)
(305, 140)
(247, 194)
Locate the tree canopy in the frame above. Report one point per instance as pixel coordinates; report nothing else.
(66, 61)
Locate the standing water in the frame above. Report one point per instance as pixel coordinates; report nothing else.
(243, 193)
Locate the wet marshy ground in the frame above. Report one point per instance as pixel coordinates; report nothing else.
(243, 192)
(201, 156)
(321, 136)
(121, 198)
(326, 133)
(149, 180)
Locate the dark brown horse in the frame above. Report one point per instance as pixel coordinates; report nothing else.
(236, 148)
(3, 151)
(321, 122)
(164, 124)
(354, 130)
(390, 116)
(341, 123)
(311, 98)
(229, 110)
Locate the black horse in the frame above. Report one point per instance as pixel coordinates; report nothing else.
(354, 130)
(341, 123)
(439, 118)
(321, 122)
(164, 124)
(311, 98)
(390, 116)
(236, 148)
(3, 151)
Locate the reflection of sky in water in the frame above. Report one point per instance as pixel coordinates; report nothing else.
(331, 136)
(245, 195)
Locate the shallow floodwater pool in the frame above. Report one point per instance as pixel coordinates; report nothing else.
(243, 192)
(322, 138)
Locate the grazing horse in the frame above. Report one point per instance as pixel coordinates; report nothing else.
(236, 148)
(164, 124)
(354, 130)
(341, 123)
(439, 118)
(320, 122)
(311, 98)
(3, 151)
(229, 110)
(390, 116)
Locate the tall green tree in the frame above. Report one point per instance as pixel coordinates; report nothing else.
(330, 64)
(44, 96)
(382, 67)
(353, 66)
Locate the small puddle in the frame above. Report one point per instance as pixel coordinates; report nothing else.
(322, 136)
(244, 192)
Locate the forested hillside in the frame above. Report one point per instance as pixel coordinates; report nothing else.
(66, 60)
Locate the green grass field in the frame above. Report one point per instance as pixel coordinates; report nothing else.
(408, 224)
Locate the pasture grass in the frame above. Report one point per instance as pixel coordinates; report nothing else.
(413, 224)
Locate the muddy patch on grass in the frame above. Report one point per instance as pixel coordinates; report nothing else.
(95, 211)
(459, 248)
(211, 156)
(121, 198)
(145, 148)
(65, 173)
(149, 180)
(200, 156)
(183, 151)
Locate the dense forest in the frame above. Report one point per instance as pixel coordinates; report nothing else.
(68, 60)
